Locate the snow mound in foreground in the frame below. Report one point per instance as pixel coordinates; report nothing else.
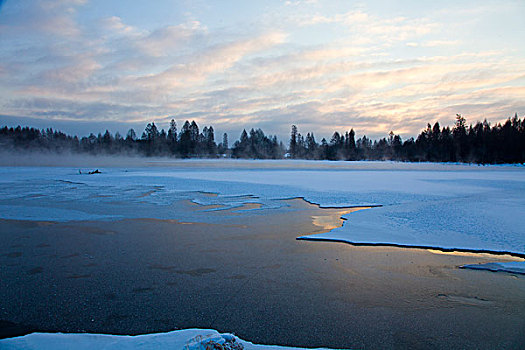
(513, 267)
(187, 339)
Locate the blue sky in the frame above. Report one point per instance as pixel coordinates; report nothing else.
(375, 66)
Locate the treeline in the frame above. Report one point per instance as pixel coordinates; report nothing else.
(480, 143)
(256, 145)
(190, 142)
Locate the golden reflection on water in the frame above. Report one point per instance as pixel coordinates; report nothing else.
(248, 206)
(333, 217)
(477, 255)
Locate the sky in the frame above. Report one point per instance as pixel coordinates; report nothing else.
(377, 66)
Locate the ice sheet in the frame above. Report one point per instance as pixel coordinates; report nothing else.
(435, 205)
(512, 267)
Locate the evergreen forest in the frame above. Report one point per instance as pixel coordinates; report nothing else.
(481, 143)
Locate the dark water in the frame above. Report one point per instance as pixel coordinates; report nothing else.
(250, 276)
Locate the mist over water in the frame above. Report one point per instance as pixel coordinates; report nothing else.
(73, 159)
(12, 158)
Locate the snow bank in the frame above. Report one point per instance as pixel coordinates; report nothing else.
(187, 339)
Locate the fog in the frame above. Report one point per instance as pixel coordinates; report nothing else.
(86, 162)
(68, 159)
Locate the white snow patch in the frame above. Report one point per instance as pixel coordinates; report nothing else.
(187, 339)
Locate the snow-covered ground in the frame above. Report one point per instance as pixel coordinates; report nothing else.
(188, 339)
(446, 206)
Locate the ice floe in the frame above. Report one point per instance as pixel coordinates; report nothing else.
(512, 267)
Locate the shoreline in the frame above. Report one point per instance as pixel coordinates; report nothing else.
(446, 250)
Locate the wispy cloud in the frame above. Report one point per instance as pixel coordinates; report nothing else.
(299, 2)
(55, 17)
(115, 25)
(170, 38)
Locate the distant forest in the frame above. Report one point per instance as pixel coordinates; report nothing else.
(481, 143)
